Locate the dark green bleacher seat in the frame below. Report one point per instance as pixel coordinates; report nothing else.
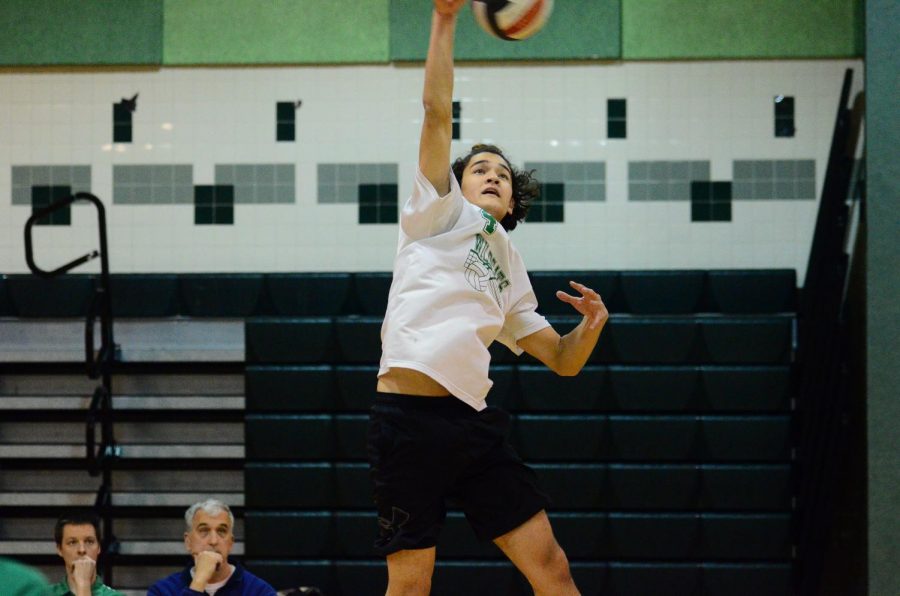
(542, 389)
(753, 291)
(648, 340)
(307, 294)
(757, 340)
(145, 295)
(358, 339)
(308, 340)
(546, 283)
(6, 307)
(218, 295)
(371, 292)
(289, 388)
(57, 297)
(663, 292)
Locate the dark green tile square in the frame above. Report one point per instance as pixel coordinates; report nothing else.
(701, 211)
(43, 196)
(536, 213)
(368, 194)
(387, 213)
(122, 133)
(456, 132)
(554, 212)
(720, 212)
(203, 214)
(616, 108)
(286, 131)
(721, 191)
(223, 194)
(368, 214)
(553, 192)
(121, 114)
(701, 190)
(285, 111)
(203, 195)
(784, 106)
(40, 196)
(784, 127)
(387, 193)
(457, 109)
(615, 129)
(223, 215)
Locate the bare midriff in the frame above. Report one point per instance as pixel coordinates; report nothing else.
(410, 382)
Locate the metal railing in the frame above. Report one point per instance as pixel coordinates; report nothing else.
(99, 364)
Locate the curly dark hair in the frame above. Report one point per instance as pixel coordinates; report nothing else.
(525, 187)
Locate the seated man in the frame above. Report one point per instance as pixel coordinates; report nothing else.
(209, 538)
(78, 543)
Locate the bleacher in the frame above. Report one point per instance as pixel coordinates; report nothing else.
(668, 459)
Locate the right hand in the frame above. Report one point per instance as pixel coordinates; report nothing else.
(83, 571)
(448, 7)
(205, 565)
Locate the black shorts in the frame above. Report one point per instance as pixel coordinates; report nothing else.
(424, 450)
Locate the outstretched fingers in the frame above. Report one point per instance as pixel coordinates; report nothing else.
(588, 304)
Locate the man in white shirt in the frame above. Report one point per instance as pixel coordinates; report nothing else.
(459, 284)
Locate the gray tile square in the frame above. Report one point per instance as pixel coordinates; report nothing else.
(284, 174)
(81, 176)
(742, 170)
(327, 173)
(122, 195)
(784, 189)
(142, 195)
(658, 170)
(657, 191)
(161, 194)
(575, 191)
(144, 175)
(327, 193)
(224, 174)
(552, 172)
(638, 170)
(284, 193)
(244, 194)
(348, 173)
(183, 175)
(21, 176)
(680, 191)
(573, 171)
(21, 195)
(784, 169)
(806, 189)
(764, 169)
(347, 193)
(806, 168)
(244, 174)
(160, 175)
(699, 170)
(388, 173)
(763, 189)
(40, 175)
(680, 170)
(595, 171)
(369, 173)
(183, 194)
(637, 191)
(742, 190)
(121, 175)
(594, 191)
(265, 175)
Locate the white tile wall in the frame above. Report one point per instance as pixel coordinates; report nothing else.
(716, 111)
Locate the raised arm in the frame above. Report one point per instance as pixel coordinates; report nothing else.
(437, 97)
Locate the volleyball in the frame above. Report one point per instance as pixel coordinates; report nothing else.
(512, 19)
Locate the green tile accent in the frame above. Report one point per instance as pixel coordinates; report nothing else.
(70, 32)
(284, 111)
(286, 131)
(42, 196)
(588, 29)
(283, 32)
(616, 108)
(689, 29)
(615, 129)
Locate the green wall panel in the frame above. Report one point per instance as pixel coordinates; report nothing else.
(577, 29)
(682, 29)
(80, 32)
(275, 31)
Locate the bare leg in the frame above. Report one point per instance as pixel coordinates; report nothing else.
(409, 572)
(534, 551)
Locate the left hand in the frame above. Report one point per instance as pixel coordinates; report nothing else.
(589, 304)
(83, 571)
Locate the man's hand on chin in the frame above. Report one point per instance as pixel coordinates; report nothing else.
(205, 565)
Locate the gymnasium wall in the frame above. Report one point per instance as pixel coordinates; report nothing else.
(298, 162)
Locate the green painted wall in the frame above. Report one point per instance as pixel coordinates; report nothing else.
(275, 31)
(882, 291)
(577, 29)
(703, 29)
(73, 32)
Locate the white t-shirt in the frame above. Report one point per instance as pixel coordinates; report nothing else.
(459, 284)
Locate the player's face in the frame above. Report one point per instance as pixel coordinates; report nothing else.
(210, 532)
(78, 541)
(487, 183)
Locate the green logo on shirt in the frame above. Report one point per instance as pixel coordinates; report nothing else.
(491, 224)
